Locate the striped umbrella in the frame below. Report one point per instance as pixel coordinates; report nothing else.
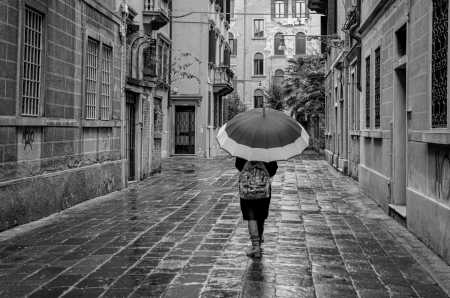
(263, 134)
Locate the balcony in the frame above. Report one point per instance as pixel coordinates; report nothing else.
(222, 80)
(319, 6)
(155, 14)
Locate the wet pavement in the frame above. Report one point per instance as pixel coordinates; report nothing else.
(180, 234)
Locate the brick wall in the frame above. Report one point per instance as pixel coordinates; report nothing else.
(8, 57)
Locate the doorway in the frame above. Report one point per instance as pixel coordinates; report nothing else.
(399, 139)
(184, 130)
(130, 122)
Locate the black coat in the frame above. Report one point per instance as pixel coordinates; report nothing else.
(270, 166)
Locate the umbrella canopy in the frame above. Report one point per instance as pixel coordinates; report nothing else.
(263, 134)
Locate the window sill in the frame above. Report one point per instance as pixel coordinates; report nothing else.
(355, 133)
(101, 123)
(279, 56)
(37, 121)
(430, 136)
(258, 76)
(376, 134)
(259, 38)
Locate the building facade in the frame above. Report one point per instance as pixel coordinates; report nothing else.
(201, 75)
(265, 35)
(147, 86)
(60, 105)
(404, 128)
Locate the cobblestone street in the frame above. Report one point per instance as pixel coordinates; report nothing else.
(180, 234)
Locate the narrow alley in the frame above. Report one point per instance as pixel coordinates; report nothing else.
(180, 234)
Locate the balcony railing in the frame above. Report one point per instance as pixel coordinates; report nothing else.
(223, 80)
(222, 75)
(156, 14)
(157, 5)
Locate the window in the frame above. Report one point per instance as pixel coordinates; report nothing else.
(258, 64)
(279, 44)
(165, 77)
(377, 88)
(278, 77)
(279, 9)
(149, 57)
(258, 28)
(368, 92)
(233, 44)
(258, 99)
(439, 64)
(232, 9)
(91, 78)
(298, 9)
(32, 62)
(300, 43)
(98, 56)
(105, 99)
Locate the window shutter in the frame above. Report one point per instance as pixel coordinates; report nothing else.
(212, 46)
(294, 12)
(235, 47)
(286, 8)
(306, 9)
(273, 8)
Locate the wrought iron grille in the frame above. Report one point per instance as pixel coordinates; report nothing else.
(91, 78)
(32, 62)
(439, 64)
(105, 99)
(377, 88)
(368, 92)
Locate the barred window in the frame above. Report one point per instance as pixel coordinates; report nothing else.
(105, 100)
(32, 62)
(368, 92)
(91, 78)
(439, 64)
(377, 88)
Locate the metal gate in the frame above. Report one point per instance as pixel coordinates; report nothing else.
(185, 130)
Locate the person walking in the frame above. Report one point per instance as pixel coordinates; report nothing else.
(258, 139)
(255, 193)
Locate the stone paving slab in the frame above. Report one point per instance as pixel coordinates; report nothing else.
(180, 234)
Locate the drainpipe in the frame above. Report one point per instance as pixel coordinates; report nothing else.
(123, 36)
(168, 122)
(244, 79)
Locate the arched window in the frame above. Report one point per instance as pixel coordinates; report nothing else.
(279, 44)
(300, 43)
(258, 98)
(258, 64)
(278, 77)
(233, 44)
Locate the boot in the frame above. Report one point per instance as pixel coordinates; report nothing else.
(255, 250)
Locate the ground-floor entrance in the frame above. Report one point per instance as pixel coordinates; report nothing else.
(130, 122)
(185, 130)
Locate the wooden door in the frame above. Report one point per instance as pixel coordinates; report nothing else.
(185, 130)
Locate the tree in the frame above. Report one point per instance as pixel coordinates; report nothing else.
(233, 106)
(275, 98)
(181, 67)
(305, 94)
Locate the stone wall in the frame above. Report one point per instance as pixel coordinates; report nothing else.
(58, 158)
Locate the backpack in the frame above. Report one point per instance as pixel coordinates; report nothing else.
(254, 181)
